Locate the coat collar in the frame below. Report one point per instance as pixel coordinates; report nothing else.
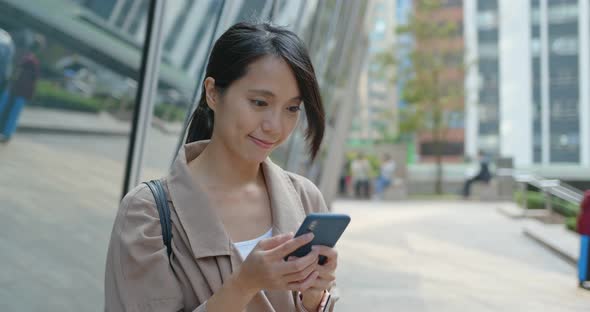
(204, 229)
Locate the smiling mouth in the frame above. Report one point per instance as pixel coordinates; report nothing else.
(261, 143)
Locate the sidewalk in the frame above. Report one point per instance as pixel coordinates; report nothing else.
(448, 256)
(555, 237)
(35, 119)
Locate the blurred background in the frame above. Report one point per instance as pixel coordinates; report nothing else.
(453, 128)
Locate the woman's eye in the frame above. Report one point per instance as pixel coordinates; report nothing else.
(258, 102)
(294, 109)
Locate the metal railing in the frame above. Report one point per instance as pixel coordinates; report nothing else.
(549, 187)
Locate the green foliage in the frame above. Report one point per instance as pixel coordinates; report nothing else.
(565, 208)
(374, 162)
(169, 112)
(536, 200)
(572, 223)
(432, 80)
(375, 165)
(410, 120)
(50, 95)
(426, 85)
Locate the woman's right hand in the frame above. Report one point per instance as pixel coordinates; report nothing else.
(265, 267)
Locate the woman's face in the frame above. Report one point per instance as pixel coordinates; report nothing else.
(259, 111)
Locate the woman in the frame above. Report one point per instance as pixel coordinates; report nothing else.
(223, 188)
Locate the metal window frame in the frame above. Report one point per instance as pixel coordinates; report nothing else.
(197, 93)
(146, 93)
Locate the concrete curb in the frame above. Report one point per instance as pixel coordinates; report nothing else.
(71, 131)
(31, 128)
(516, 212)
(512, 211)
(555, 238)
(556, 250)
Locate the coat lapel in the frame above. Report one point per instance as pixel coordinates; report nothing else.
(286, 207)
(206, 234)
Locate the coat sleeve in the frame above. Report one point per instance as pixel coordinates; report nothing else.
(138, 275)
(313, 201)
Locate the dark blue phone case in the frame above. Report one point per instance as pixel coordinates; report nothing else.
(327, 229)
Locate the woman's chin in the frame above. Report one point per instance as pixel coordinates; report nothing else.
(258, 157)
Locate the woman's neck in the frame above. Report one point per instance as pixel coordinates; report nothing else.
(222, 169)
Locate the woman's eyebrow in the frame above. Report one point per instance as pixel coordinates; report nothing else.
(270, 94)
(263, 92)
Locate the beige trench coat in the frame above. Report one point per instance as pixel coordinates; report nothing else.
(138, 274)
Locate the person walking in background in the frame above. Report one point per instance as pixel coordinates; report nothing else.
(385, 178)
(360, 170)
(584, 230)
(344, 179)
(6, 55)
(20, 91)
(483, 175)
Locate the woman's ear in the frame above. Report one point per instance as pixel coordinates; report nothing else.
(210, 93)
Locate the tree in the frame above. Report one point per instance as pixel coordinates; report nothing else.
(430, 68)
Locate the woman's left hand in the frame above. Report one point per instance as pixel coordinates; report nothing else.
(326, 278)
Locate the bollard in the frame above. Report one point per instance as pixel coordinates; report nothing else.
(584, 230)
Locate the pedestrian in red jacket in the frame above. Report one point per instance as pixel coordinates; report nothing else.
(584, 230)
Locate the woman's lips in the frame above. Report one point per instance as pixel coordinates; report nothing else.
(261, 143)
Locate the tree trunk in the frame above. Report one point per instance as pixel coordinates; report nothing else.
(436, 136)
(439, 168)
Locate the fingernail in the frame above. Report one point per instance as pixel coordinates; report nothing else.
(309, 235)
(315, 248)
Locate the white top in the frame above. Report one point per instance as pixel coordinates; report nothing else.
(387, 169)
(360, 169)
(245, 247)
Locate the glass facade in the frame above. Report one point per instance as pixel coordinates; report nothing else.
(488, 67)
(73, 74)
(63, 169)
(563, 81)
(536, 80)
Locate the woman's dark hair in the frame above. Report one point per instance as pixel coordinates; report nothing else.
(245, 43)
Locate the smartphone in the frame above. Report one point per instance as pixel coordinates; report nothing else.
(327, 229)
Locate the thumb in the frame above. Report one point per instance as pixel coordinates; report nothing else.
(273, 242)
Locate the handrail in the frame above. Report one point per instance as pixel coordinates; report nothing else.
(549, 187)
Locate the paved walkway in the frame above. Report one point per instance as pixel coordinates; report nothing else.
(43, 120)
(57, 206)
(448, 256)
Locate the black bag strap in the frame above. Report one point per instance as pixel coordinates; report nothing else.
(164, 211)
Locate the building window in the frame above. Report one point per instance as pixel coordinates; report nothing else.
(565, 46)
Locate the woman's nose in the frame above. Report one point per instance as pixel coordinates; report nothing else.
(272, 122)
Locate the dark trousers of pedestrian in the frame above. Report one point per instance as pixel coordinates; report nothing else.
(361, 189)
(342, 186)
(467, 186)
(584, 261)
